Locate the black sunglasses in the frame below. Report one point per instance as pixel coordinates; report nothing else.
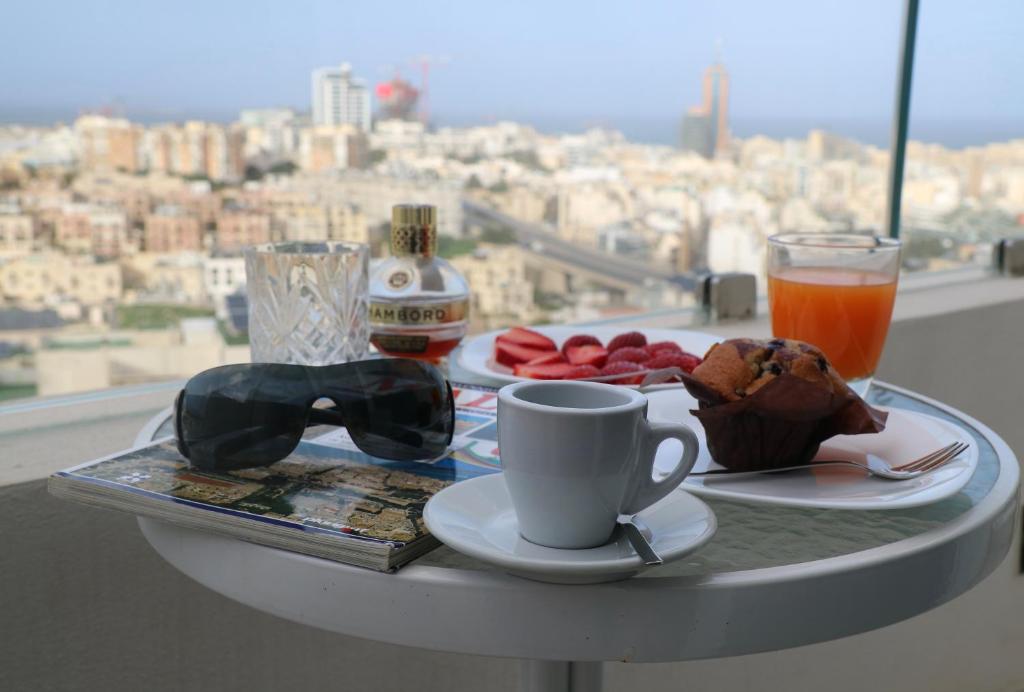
(239, 416)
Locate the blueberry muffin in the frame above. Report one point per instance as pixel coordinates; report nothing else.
(739, 367)
(768, 403)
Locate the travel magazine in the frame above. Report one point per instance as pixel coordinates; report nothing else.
(326, 499)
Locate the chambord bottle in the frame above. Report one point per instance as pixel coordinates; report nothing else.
(419, 303)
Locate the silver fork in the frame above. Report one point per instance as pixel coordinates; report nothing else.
(875, 466)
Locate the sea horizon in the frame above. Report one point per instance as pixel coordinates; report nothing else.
(653, 130)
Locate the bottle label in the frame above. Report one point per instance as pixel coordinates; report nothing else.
(401, 343)
(441, 313)
(399, 278)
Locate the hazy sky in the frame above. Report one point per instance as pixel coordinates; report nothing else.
(570, 61)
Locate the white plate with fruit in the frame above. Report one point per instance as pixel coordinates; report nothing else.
(608, 354)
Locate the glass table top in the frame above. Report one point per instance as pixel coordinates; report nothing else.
(758, 536)
(754, 536)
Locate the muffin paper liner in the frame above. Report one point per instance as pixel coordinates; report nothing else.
(781, 424)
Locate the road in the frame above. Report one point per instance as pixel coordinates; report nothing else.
(587, 259)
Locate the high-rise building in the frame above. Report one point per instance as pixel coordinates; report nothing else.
(196, 148)
(696, 136)
(716, 102)
(339, 98)
(706, 127)
(397, 99)
(271, 133)
(224, 154)
(108, 144)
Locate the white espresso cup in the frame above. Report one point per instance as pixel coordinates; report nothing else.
(576, 455)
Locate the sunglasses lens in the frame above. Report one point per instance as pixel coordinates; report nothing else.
(239, 416)
(396, 408)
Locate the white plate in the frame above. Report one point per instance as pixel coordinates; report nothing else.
(475, 517)
(476, 354)
(907, 435)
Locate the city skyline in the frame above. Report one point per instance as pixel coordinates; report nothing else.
(122, 242)
(543, 76)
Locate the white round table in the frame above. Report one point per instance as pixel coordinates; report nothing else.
(772, 578)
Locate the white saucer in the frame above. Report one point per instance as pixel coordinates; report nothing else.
(907, 435)
(475, 517)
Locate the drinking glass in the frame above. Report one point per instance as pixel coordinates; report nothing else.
(307, 302)
(835, 291)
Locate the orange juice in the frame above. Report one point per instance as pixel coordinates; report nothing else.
(844, 312)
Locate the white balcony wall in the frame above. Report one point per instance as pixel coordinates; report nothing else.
(88, 605)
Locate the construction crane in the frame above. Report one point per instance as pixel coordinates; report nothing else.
(425, 62)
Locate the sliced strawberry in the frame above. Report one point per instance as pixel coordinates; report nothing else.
(580, 371)
(628, 339)
(620, 368)
(580, 340)
(548, 358)
(660, 346)
(667, 359)
(528, 338)
(630, 353)
(551, 371)
(587, 355)
(510, 354)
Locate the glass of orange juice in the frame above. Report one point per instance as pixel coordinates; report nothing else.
(835, 291)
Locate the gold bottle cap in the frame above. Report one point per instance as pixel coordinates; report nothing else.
(413, 229)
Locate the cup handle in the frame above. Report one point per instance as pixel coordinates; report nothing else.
(646, 491)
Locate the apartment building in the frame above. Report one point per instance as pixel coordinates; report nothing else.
(47, 278)
(222, 276)
(332, 147)
(500, 293)
(172, 229)
(165, 277)
(86, 229)
(313, 222)
(16, 233)
(196, 148)
(237, 229)
(109, 144)
(376, 194)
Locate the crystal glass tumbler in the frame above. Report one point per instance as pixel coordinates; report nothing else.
(307, 302)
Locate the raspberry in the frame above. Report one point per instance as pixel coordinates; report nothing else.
(630, 353)
(622, 367)
(684, 361)
(628, 339)
(580, 340)
(581, 371)
(663, 346)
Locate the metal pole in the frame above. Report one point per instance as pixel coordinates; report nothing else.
(544, 676)
(586, 676)
(901, 116)
(560, 676)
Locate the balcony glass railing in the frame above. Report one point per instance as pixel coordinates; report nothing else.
(120, 231)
